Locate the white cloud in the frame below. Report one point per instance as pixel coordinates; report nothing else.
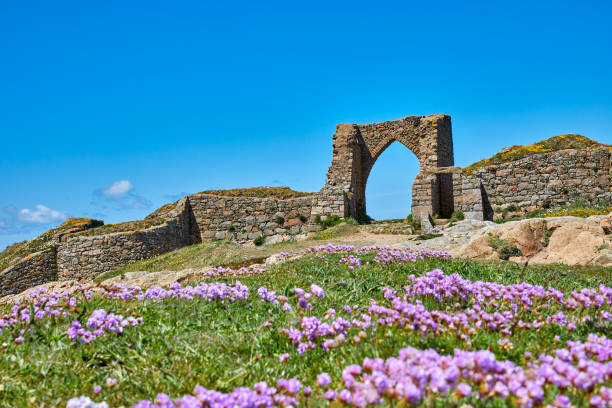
(118, 189)
(41, 215)
(122, 194)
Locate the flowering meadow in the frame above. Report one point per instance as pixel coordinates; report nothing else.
(337, 326)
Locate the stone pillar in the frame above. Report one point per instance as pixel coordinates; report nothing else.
(343, 176)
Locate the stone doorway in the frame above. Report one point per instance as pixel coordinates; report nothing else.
(388, 190)
(357, 147)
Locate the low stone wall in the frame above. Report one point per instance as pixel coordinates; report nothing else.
(330, 201)
(36, 269)
(246, 218)
(555, 177)
(85, 257)
(468, 197)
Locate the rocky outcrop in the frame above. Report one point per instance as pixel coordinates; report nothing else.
(566, 240)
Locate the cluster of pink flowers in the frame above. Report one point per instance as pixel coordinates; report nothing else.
(486, 307)
(329, 249)
(391, 256)
(227, 272)
(313, 331)
(208, 291)
(267, 295)
(43, 305)
(582, 371)
(351, 261)
(39, 305)
(581, 368)
(523, 296)
(99, 323)
(261, 395)
(508, 306)
(386, 255)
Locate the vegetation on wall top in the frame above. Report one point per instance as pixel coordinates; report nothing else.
(124, 227)
(14, 253)
(163, 211)
(562, 142)
(276, 193)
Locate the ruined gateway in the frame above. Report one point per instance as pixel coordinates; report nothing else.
(439, 189)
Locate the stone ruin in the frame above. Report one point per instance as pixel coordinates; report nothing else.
(438, 189)
(548, 178)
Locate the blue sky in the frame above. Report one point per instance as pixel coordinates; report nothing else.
(111, 109)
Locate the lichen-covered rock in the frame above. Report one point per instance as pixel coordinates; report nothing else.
(566, 240)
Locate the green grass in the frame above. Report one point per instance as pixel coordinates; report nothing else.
(457, 215)
(504, 248)
(223, 346)
(340, 230)
(209, 253)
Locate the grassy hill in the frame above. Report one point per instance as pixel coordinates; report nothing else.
(221, 344)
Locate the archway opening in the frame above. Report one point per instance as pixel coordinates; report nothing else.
(389, 185)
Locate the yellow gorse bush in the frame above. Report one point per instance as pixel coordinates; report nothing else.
(562, 142)
(579, 212)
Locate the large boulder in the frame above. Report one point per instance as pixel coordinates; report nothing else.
(566, 240)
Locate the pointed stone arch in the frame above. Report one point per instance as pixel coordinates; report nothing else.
(357, 147)
(376, 155)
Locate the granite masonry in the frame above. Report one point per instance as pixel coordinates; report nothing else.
(33, 270)
(82, 256)
(247, 218)
(357, 147)
(552, 178)
(439, 188)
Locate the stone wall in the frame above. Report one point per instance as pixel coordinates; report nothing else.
(85, 257)
(246, 218)
(468, 194)
(35, 269)
(554, 177)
